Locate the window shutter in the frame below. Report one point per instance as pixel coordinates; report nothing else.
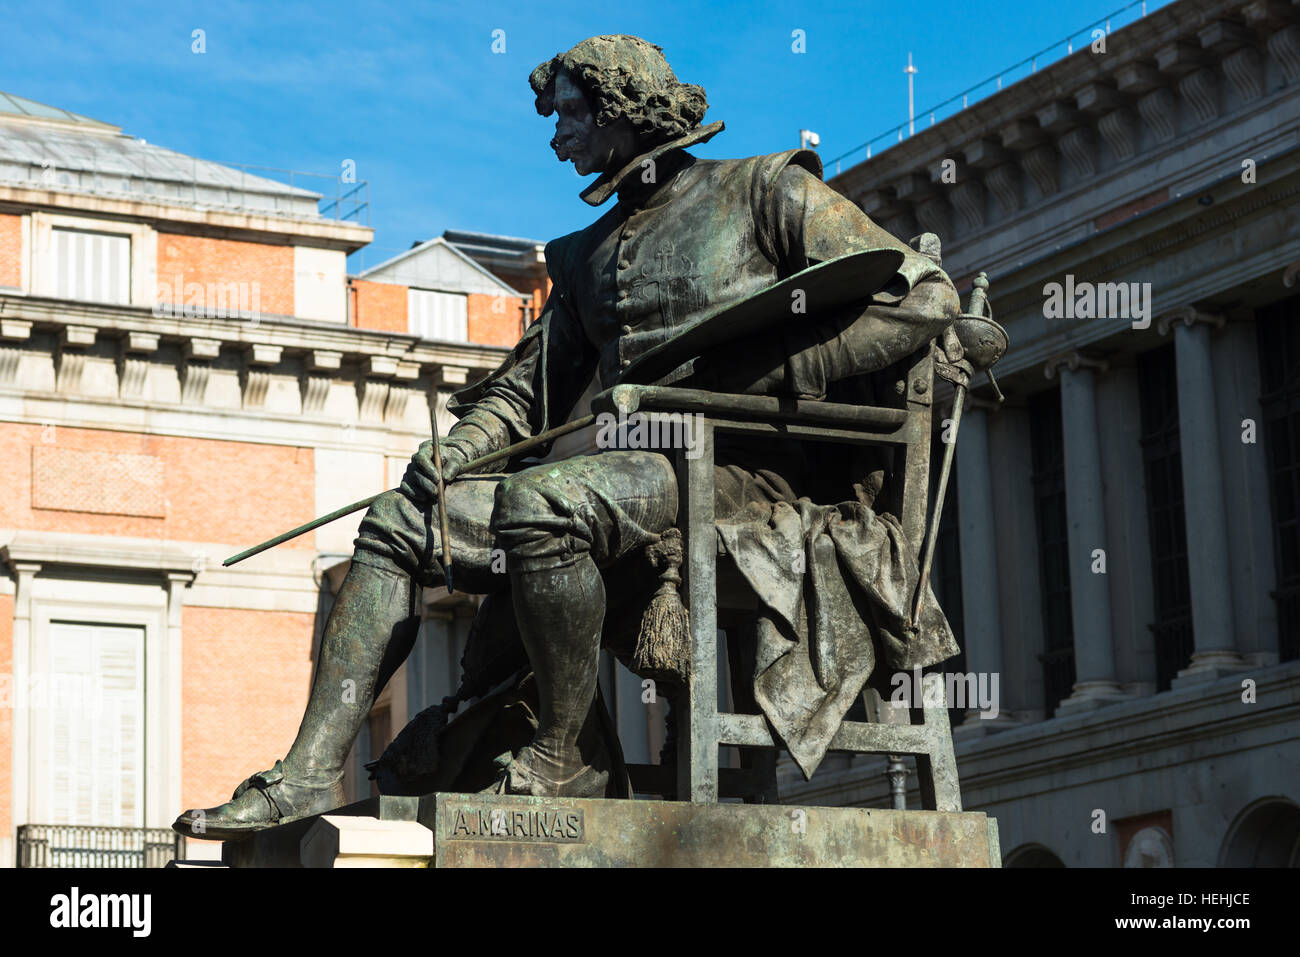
(438, 315)
(96, 704)
(92, 266)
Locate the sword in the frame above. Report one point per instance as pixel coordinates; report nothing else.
(933, 532)
(983, 343)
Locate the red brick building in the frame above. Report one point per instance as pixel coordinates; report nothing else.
(187, 369)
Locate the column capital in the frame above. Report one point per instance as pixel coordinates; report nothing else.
(202, 348)
(1075, 361)
(380, 367)
(21, 569)
(1188, 316)
(141, 342)
(78, 335)
(1291, 275)
(22, 328)
(263, 354)
(324, 359)
(451, 375)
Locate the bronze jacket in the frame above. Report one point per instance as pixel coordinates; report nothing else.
(703, 233)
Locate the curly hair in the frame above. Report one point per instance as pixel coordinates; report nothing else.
(624, 77)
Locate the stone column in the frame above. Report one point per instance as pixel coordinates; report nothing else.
(168, 756)
(24, 574)
(977, 540)
(1094, 653)
(1213, 623)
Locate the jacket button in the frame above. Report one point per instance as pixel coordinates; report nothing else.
(623, 264)
(626, 330)
(622, 294)
(627, 234)
(625, 363)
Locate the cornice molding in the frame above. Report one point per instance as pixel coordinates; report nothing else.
(44, 549)
(1100, 113)
(325, 233)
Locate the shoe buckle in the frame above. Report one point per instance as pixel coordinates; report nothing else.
(264, 779)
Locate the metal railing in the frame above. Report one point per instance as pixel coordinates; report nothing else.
(73, 845)
(1017, 71)
(351, 199)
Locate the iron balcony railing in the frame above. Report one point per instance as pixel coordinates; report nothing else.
(72, 845)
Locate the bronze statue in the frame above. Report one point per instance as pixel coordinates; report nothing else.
(684, 237)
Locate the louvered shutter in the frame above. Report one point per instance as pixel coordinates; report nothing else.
(95, 707)
(438, 315)
(95, 267)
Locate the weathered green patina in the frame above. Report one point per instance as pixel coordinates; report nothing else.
(685, 238)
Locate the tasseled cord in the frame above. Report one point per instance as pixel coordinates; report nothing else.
(663, 647)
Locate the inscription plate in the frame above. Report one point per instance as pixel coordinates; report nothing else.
(614, 833)
(518, 823)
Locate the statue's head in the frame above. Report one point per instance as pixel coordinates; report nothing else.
(614, 97)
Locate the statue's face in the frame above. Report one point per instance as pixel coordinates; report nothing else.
(592, 148)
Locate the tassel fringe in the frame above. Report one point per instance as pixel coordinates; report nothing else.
(663, 646)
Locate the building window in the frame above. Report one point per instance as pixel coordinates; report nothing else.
(1048, 442)
(92, 266)
(1162, 463)
(438, 315)
(1279, 365)
(95, 721)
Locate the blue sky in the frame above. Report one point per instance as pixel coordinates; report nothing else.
(444, 129)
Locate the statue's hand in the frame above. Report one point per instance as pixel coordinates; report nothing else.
(420, 482)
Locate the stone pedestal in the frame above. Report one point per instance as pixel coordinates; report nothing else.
(471, 830)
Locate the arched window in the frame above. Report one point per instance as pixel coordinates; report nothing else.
(1266, 834)
(1032, 855)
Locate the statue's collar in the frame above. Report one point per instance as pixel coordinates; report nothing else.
(607, 184)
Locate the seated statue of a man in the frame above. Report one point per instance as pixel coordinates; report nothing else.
(685, 236)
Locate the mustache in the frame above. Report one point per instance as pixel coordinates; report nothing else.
(566, 147)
